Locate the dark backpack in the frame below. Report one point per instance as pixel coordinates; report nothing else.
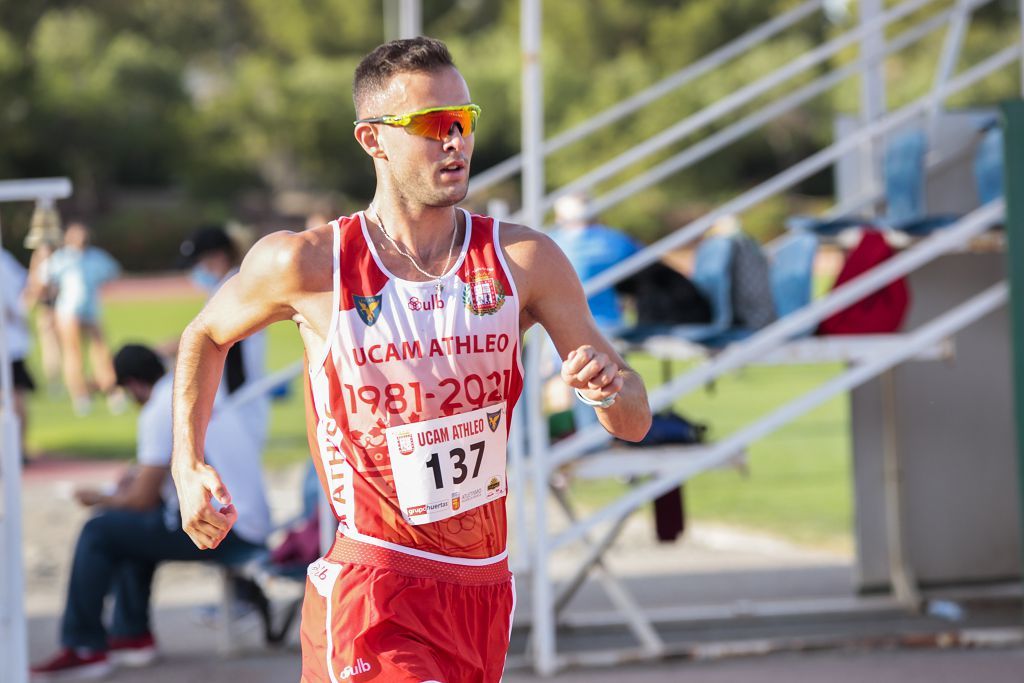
(752, 304)
(664, 296)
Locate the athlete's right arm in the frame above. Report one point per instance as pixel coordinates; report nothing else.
(264, 291)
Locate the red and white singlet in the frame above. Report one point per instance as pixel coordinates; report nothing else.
(412, 398)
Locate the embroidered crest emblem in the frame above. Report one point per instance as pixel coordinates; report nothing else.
(483, 294)
(493, 420)
(405, 444)
(368, 308)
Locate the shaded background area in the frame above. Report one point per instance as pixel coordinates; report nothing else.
(167, 115)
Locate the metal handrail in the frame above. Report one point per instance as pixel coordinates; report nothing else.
(932, 332)
(796, 173)
(784, 329)
(740, 45)
(730, 103)
(735, 131)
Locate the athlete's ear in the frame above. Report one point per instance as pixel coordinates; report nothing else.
(366, 136)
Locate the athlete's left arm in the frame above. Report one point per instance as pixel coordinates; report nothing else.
(552, 295)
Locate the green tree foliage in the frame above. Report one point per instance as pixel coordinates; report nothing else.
(215, 103)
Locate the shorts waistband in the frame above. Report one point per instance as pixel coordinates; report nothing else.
(351, 551)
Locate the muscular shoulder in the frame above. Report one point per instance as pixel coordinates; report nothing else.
(537, 263)
(292, 262)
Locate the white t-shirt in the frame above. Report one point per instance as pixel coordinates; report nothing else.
(255, 411)
(231, 449)
(13, 277)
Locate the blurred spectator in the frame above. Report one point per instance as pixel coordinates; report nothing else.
(213, 257)
(137, 526)
(41, 294)
(78, 270)
(591, 248)
(13, 279)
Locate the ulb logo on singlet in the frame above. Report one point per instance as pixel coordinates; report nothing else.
(483, 294)
(368, 308)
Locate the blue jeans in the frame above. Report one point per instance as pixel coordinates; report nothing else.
(117, 554)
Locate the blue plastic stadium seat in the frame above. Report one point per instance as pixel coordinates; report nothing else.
(988, 166)
(793, 274)
(903, 173)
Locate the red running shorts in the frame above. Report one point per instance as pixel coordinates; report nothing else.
(373, 614)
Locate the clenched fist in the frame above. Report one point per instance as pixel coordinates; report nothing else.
(594, 373)
(205, 525)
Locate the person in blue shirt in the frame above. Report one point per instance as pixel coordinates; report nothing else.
(591, 248)
(78, 270)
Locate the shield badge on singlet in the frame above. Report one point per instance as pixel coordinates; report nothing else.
(368, 308)
(484, 294)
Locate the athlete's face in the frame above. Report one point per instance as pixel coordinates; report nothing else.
(426, 171)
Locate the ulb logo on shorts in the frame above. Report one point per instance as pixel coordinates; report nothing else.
(405, 444)
(368, 308)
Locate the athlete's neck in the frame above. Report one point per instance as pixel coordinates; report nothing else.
(425, 231)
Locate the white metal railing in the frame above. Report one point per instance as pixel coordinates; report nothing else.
(716, 111)
(740, 354)
(749, 40)
(13, 630)
(784, 329)
(798, 172)
(545, 459)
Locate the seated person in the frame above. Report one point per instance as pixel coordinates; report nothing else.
(137, 526)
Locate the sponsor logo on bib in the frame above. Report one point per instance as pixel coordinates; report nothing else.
(483, 294)
(416, 510)
(493, 420)
(456, 501)
(368, 308)
(405, 444)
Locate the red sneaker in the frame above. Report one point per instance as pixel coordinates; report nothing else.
(71, 665)
(133, 651)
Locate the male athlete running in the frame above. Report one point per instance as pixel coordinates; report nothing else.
(411, 313)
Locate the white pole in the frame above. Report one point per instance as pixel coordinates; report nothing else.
(1020, 20)
(410, 18)
(13, 629)
(872, 93)
(533, 195)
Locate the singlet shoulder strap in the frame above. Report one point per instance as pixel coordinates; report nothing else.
(315, 368)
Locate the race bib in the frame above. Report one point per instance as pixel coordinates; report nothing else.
(446, 466)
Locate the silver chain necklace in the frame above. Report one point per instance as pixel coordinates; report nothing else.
(401, 250)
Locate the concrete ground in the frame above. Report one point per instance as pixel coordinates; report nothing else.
(712, 564)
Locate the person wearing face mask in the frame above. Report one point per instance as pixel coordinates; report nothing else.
(77, 271)
(212, 257)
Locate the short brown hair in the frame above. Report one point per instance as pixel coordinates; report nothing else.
(395, 57)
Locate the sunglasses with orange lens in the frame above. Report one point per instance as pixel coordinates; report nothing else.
(435, 122)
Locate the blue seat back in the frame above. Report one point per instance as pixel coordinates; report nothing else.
(711, 273)
(988, 166)
(792, 273)
(904, 176)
